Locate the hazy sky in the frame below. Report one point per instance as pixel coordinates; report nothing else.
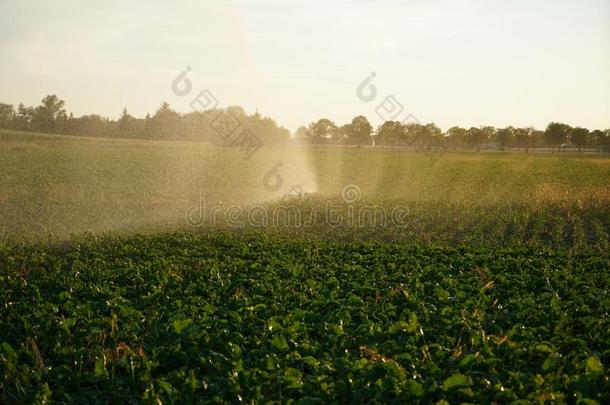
(455, 62)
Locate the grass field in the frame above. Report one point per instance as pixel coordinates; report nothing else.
(493, 286)
(60, 185)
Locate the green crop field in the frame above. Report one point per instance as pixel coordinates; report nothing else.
(440, 276)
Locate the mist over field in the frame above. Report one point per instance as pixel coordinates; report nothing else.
(305, 202)
(102, 185)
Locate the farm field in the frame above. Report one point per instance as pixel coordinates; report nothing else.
(58, 185)
(232, 318)
(492, 283)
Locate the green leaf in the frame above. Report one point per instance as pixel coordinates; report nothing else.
(311, 361)
(100, 368)
(8, 350)
(456, 381)
(234, 350)
(413, 322)
(543, 348)
(180, 325)
(294, 377)
(415, 388)
(274, 325)
(467, 361)
(594, 366)
(403, 326)
(551, 362)
(279, 342)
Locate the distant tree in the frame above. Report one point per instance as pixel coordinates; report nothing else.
(488, 133)
(341, 135)
(456, 136)
(50, 116)
(322, 130)
(127, 125)
(414, 134)
(125, 116)
(579, 137)
(538, 138)
(166, 123)
(523, 137)
(360, 131)
(266, 129)
(476, 137)
(556, 133)
(148, 128)
(423, 136)
(433, 135)
(390, 133)
(23, 117)
(302, 132)
(598, 139)
(471, 134)
(70, 125)
(92, 125)
(310, 133)
(7, 115)
(506, 137)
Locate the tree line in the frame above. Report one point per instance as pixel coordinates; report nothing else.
(166, 124)
(393, 133)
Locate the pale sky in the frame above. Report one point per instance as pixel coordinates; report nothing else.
(459, 62)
